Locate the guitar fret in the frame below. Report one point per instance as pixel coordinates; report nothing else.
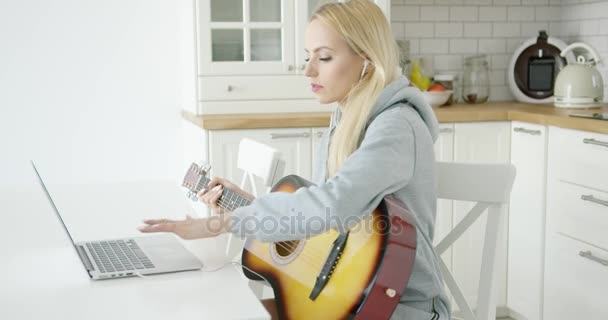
(234, 202)
(228, 199)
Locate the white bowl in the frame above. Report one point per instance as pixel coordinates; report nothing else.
(437, 98)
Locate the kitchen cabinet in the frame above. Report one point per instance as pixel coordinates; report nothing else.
(250, 56)
(576, 259)
(527, 220)
(479, 142)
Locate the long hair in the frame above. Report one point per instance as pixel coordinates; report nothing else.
(366, 30)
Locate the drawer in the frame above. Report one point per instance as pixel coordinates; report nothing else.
(575, 286)
(579, 156)
(254, 88)
(579, 212)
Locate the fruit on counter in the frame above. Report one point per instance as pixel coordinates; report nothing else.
(418, 79)
(436, 87)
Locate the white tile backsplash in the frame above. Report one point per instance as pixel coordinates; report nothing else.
(546, 13)
(450, 30)
(507, 2)
(520, 13)
(452, 62)
(405, 13)
(506, 30)
(465, 13)
(500, 61)
(530, 29)
(477, 30)
(468, 46)
(492, 46)
(419, 30)
(492, 13)
(434, 13)
(431, 46)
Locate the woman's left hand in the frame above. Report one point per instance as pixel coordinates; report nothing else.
(189, 228)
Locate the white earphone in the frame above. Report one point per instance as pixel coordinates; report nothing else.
(365, 64)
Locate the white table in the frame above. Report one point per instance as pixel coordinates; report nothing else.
(41, 276)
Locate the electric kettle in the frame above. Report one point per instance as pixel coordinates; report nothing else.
(580, 84)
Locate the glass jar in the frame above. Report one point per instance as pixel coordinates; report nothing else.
(475, 80)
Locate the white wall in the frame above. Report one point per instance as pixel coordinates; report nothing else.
(92, 89)
(587, 21)
(449, 30)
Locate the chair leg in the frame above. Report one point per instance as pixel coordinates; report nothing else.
(461, 301)
(486, 300)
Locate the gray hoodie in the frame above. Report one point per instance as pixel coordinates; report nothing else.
(396, 155)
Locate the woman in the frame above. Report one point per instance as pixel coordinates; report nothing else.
(380, 142)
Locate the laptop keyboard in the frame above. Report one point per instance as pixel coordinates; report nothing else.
(118, 255)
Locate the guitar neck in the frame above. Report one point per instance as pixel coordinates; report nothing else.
(229, 199)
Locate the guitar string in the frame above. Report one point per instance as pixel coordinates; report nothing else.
(291, 247)
(287, 245)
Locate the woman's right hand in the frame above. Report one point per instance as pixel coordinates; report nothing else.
(210, 195)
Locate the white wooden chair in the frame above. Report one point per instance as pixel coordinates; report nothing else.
(490, 186)
(260, 164)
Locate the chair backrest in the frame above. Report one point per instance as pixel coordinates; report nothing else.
(490, 186)
(256, 160)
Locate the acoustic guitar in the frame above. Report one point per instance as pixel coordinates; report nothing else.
(359, 274)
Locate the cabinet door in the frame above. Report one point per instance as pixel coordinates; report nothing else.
(294, 145)
(479, 142)
(245, 37)
(575, 279)
(444, 151)
(527, 219)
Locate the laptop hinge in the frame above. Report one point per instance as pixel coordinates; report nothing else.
(85, 258)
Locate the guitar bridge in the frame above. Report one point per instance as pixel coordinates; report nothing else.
(329, 266)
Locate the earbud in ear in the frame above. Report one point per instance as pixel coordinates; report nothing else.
(365, 64)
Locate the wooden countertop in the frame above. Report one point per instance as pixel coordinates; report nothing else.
(494, 111)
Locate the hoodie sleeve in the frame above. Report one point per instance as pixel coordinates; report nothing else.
(383, 163)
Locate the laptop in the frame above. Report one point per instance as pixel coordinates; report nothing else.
(128, 257)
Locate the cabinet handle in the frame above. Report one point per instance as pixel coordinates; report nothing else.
(593, 199)
(290, 67)
(289, 135)
(302, 67)
(446, 130)
(528, 131)
(590, 256)
(319, 134)
(229, 88)
(595, 142)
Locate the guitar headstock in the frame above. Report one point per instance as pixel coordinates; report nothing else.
(194, 180)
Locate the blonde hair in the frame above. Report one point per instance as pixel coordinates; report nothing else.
(364, 27)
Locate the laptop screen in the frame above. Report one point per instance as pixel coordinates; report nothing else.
(48, 195)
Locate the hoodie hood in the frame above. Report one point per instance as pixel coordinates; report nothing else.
(400, 92)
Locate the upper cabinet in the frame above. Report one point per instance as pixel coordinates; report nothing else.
(245, 37)
(254, 37)
(250, 56)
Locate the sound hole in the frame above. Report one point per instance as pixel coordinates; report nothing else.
(286, 248)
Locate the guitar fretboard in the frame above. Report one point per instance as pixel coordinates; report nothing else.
(229, 199)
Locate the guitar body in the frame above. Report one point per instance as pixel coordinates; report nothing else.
(368, 279)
